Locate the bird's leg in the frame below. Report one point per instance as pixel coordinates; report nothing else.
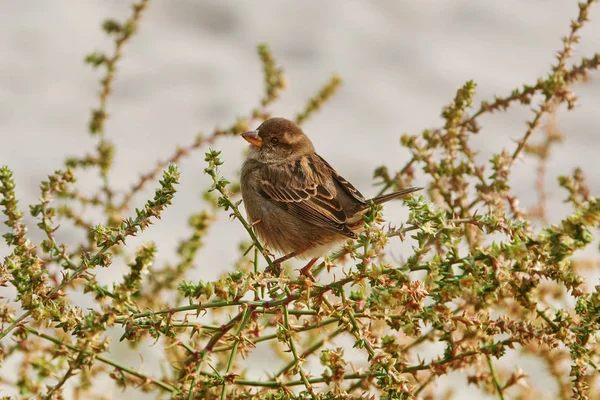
(285, 258)
(277, 263)
(306, 269)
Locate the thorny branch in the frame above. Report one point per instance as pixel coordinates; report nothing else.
(360, 330)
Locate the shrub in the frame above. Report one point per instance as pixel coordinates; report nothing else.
(484, 277)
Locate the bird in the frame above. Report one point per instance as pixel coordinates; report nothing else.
(296, 202)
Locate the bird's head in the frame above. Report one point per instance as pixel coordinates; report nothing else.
(277, 140)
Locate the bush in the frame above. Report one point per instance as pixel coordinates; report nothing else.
(484, 276)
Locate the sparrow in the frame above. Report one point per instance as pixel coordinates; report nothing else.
(297, 203)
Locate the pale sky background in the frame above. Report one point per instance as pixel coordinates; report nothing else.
(192, 66)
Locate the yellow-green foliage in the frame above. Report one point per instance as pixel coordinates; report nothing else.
(478, 298)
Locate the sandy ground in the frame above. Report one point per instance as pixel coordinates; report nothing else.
(193, 67)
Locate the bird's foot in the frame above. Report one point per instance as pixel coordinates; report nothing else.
(306, 269)
(274, 268)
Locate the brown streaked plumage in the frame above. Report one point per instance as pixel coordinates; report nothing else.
(299, 204)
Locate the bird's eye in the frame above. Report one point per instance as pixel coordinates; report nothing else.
(275, 141)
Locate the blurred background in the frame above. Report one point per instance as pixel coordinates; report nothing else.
(193, 67)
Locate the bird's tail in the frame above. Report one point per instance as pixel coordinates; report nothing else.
(390, 196)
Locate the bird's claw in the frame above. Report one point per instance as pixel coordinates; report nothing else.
(306, 269)
(274, 268)
(306, 272)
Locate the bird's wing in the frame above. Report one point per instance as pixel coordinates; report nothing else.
(304, 194)
(347, 186)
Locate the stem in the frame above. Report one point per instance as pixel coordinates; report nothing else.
(319, 290)
(334, 256)
(275, 384)
(209, 348)
(317, 345)
(60, 383)
(495, 378)
(245, 320)
(274, 335)
(297, 361)
(14, 324)
(145, 378)
(389, 184)
(56, 289)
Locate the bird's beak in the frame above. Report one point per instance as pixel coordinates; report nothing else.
(253, 138)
